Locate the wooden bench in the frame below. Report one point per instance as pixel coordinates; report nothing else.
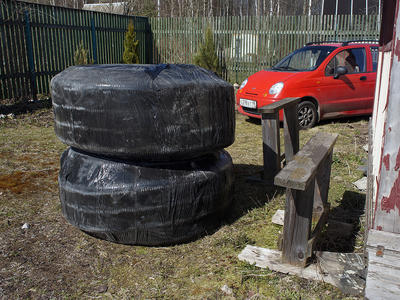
(306, 178)
(271, 137)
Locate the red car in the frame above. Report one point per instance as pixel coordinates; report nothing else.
(333, 79)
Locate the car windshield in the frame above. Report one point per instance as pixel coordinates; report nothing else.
(304, 59)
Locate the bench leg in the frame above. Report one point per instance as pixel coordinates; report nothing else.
(322, 181)
(297, 226)
(290, 132)
(321, 205)
(271, 145)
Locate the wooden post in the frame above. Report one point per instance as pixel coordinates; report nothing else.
(271, 145)
(322, 185)
(271, 136)
(291, 130)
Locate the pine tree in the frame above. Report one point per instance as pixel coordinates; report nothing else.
(81, 55)
(207, 57)
(130, 55)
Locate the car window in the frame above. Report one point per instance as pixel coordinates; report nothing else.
(375, 54)
(304, 59)
(352, 59)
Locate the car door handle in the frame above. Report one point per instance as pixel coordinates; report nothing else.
(363, 78)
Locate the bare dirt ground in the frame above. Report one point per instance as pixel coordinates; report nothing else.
(52, 259)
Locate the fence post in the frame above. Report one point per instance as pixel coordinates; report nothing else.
(94, 42)
(149, 43)
(29, 48)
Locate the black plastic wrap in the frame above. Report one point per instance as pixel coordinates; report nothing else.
(143, 112)
(147, 204)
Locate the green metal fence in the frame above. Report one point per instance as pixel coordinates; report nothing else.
(248, 44)
(38, 41)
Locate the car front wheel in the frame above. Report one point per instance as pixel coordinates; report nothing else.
(306, 114)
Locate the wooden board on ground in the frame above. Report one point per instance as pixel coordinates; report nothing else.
(343, 270)
(347, 270)
(271, 259)
(383, 250)
(279, 217)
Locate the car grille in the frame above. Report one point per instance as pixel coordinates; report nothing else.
(251, 110)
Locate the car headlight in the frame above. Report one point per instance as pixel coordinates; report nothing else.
(243, 84)
(276, 88)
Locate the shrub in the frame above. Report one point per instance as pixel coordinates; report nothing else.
(130, 55)
(81, 55)
(207, 57)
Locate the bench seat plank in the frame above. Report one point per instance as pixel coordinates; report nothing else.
(299, 172)
(278, 105)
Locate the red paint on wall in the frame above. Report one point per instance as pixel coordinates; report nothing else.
(389, 203)
(397, 50)
(386, 161)
(390, 129)
(397, 166)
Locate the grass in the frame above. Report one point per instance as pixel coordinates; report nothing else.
(56, 260)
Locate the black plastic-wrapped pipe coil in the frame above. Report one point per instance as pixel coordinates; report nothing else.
(146, 204)
(143, 112)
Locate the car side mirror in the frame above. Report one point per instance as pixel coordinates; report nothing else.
(339, 72)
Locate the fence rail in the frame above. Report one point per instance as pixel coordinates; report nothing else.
(248, 44)
(38, 41)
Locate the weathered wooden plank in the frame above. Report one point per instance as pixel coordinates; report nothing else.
(297, 227)
(388, 240)
(271, 259)
(383, 275)
(271, 145)
(347, 270)
(290, 130)
(343, 270)
(279, 217)
(278, 105)
(299, 172)
(383, 250)
(387, 158)
(322, 184)
(369, 207)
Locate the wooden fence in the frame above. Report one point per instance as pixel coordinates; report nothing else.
(248, 44)
(38, 41)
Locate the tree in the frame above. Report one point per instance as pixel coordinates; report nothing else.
(130, 55)
(207, 57)
(81, 55)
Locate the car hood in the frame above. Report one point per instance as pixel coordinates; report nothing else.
(262, 81)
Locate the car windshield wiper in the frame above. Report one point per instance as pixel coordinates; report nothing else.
(285, 68)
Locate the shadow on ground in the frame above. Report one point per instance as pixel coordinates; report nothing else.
(254, 121)
(343, 225)
(249, 195)
(349, 120)
(23, 107)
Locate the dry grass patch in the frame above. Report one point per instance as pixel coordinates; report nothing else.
(56, 260)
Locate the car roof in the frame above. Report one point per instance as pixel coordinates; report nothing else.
(344, 43)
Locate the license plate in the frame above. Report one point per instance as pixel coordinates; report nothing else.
(248, 103)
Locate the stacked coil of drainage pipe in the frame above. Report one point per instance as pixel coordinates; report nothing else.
(146, 164)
